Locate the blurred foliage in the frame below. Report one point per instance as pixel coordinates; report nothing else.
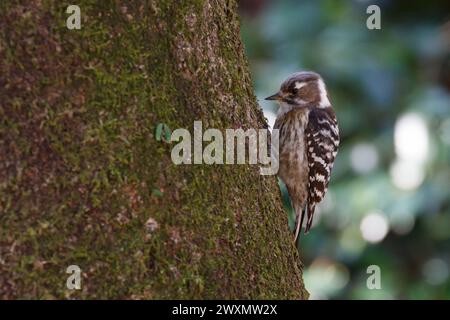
(389, 199)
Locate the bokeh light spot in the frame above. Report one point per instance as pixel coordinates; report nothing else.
(325, 277)
(435, 271)
(411, 138)
(364, 157)
(407, 175)
(374, 227)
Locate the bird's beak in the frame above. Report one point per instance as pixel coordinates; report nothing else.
(275, 96)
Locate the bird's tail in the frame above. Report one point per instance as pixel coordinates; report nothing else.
(300, 216)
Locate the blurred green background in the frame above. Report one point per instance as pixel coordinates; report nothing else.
(389, 199)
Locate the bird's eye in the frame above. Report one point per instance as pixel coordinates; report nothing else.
(294, 91)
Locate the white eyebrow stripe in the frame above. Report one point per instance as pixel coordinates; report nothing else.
(299, 84)
(324, 102)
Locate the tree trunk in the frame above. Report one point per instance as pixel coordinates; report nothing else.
(84, 180)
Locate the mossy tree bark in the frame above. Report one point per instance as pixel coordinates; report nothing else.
(83, 180)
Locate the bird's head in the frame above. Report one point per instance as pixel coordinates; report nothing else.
(302, 89)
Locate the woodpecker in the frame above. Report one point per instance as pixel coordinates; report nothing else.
(308, 142)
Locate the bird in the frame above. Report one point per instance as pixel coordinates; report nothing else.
(308, 142)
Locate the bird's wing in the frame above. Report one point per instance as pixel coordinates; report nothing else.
(322, 142)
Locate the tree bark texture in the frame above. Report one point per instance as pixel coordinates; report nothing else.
(84, 181)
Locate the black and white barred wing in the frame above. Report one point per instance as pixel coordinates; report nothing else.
(322, 142)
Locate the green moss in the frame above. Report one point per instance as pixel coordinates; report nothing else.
(82, 163)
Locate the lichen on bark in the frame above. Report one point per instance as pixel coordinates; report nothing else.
(83, 180)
